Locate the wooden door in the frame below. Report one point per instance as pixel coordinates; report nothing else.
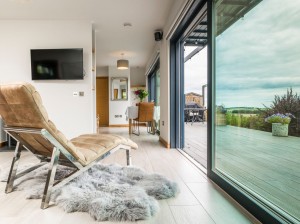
(102, 98)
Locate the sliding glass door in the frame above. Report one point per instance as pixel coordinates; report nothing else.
(154, 92)
(194, 126)
(154, 85)
(256, 101)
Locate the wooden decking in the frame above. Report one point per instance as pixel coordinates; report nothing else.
(196, 141)
(268, 165)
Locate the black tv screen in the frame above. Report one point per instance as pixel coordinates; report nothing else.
(57, 64)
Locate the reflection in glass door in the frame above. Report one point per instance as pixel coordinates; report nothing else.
(257, 84)
(154, 91)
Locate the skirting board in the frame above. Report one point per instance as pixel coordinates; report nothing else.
(164, 142)
(118, 125)
(123, 125)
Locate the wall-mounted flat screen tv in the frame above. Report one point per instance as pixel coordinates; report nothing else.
(57, 64)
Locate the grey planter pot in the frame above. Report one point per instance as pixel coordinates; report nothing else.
(281, 130)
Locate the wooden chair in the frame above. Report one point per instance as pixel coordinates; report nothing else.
(26, 120)
(145, 115)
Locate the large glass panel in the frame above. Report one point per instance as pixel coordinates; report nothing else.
(157, 100)
(154, 94)
(152, 87)
(157, 85)
(257, 87)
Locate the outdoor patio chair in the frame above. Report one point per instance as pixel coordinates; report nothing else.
(198, 116)
(26, 120)
(193, 113)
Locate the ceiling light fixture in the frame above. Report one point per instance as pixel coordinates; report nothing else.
(122, 64)
(127, 24)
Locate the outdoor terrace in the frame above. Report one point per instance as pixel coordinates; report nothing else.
(267, 164)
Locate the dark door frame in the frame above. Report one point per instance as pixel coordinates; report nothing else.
(177, 98)
(259, 210)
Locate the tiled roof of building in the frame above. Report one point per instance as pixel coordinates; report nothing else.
(192, 93)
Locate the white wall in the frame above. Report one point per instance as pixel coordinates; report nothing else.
(102, 71)
(137, 77)
(118, 107)
(163, 48)
(72, 115)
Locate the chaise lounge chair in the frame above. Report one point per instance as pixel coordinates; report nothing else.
(26, 120)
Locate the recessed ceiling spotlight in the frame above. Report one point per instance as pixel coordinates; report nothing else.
(127, 24)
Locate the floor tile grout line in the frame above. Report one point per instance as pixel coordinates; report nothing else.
(201, 203)
(193, 164)
(172, 214)
(194, 206)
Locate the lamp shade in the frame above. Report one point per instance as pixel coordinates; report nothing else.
(122, 64)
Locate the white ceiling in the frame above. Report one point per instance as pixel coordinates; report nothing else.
(108, 17)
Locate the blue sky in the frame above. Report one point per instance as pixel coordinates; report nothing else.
(256, 58)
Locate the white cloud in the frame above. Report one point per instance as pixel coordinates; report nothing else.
(195, 71)
(259, 56)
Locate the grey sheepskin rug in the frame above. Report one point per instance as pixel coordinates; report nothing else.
(109, 192)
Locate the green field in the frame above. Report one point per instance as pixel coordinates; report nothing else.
(244, 110)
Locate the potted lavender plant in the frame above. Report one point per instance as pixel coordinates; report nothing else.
(280, 124)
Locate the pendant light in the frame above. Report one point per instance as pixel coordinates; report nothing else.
(122, 63)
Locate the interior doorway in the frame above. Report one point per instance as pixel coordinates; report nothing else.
(102, 99)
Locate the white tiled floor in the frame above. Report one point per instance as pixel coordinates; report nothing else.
(200, 200)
